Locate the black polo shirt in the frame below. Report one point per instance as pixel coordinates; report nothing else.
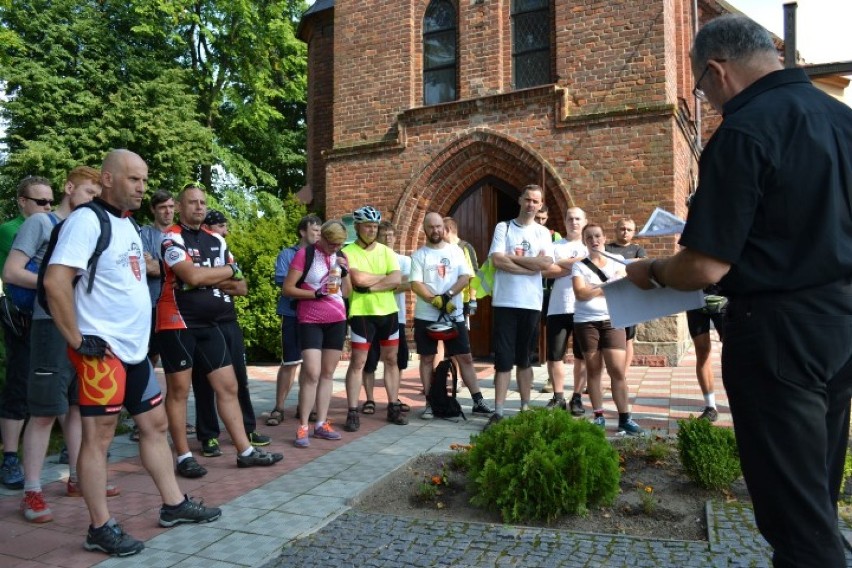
(774, 194)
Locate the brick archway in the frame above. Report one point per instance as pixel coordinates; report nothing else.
(464, 161)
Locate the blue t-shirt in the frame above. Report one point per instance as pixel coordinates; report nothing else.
(282, 267)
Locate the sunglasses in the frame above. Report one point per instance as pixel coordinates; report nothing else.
(39, 202)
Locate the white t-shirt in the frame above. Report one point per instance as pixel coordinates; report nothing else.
(596, 308)
(439, 269)
(562, 295)
(119, 307)
(405, 269)
(519, 290)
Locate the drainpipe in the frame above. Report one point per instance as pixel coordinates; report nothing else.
(790, 35)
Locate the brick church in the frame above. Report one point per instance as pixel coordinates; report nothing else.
(454, 105)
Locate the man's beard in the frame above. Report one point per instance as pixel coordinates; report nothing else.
(436, 239)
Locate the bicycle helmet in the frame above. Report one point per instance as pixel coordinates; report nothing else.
(366, 214)
(442, 330)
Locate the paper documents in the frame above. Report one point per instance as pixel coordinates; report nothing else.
(662, 223)
(629, 305)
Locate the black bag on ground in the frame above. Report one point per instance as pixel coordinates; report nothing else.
(444, 405)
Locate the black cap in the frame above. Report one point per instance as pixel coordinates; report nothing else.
(214, 218)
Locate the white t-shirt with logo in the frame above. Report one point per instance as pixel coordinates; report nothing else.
(519, 290)
(119, 307)
(562, 294)
(439, 269)
(596, 308)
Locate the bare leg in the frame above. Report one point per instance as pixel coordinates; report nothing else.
(283, 383)
(36, 440)
(427, 363)
(155, 454)
(98, 432)
(308, 381)
(330, 358)
(389, 355)
(579, 375)
(594, 368)
(525, 380)
(614, 359)
(72, 431)
(703, 365)
(10, 430)
(224, 382)
(556, 371)
(354, 375)
(176, 398)
(628, 360)
(369, 380)
(501, 387)
(468, 373)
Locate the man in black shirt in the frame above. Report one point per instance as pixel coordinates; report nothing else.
(782, 154)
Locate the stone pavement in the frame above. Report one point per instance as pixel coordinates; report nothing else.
(298, 512)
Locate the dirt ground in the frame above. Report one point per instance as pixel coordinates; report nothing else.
(673, 509)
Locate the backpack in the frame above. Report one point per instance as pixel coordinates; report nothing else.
(442, 404)
(310, 251)
(92, 265)
(24, 298)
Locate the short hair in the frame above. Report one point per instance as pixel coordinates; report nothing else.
(590, 226)
(532, 187)
(451, 225)
(624, 220)
(190, 187)
(82, 174)
(25, 184)
(160, 196)
(543, 209)
(334, 231)
(307, 221)
(732, 37)
(386, 226)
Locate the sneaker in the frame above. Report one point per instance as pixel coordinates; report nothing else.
(481, 408)
(710, 414)
(257, 439)
(63, 455)
(495, 418)
(395, 415)
(353, 421)
(326, 432)
(11, 473)
(72, 489)
(576, 405)
(302, 440)
(548, 386)
(427, 413)
(210, 448)
(112, 539)
(34, 508)
(190, 469)
(630, 428)
(188, 512)
(600, 421)
(258, 458)
(557, 403)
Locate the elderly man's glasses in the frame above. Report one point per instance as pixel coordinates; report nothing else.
(39, 202)
(697, 90)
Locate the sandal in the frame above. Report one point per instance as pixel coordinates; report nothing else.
(405, 407)
(276, 417)
(369, 407)
(190, 429)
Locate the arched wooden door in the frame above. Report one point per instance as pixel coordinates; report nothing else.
(477, 212)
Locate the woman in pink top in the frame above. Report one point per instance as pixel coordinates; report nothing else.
(321, 313)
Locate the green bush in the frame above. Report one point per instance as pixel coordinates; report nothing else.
(540, 465)
(708, 454)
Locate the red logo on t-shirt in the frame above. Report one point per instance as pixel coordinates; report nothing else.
(134, 265)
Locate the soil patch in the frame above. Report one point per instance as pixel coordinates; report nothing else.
(657, 499)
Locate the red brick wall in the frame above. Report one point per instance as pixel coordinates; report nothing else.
(319, 36)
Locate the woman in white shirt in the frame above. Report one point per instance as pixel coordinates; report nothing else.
(601, 343)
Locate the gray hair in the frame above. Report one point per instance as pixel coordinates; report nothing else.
(731, 37)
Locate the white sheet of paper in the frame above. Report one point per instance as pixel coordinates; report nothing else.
(629, 305)
(662, 223)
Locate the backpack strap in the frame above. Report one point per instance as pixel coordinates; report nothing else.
(103, 240)
(310, 251)
(594, 268)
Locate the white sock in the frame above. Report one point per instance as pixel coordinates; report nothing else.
(710, 400)
(498, 409)
(246, 453)
(184, 456)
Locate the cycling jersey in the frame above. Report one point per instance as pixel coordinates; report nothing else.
(180, 307)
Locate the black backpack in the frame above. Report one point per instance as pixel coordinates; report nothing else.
(100, 246)
(444, 405)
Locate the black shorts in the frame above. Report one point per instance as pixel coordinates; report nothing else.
(699, 320)
(132, 386)
(291, 349)
(375, 353)
(630, 332)
(322, 335)
(512, 337)
(427, 346)
(182, 349)
(559, 330)
(366, 329)
(596, 335)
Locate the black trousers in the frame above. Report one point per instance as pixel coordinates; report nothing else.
(13, 399)
(787, 368)
(206, 418)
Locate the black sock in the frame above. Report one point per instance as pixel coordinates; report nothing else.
(559, 396)
(623, 417)
(477, 398)
(353, 409)
(576, 395)
(173, 507)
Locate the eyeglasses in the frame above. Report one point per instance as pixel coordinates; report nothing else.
(39, 202)
(697, 91)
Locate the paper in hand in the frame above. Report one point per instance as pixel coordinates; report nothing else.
(662, 223)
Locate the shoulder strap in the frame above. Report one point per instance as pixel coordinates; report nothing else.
(309, 261)
(103, 240)
(595, 269)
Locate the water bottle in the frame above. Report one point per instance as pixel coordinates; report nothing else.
(333, 276)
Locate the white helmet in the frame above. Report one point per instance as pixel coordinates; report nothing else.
(366, 214)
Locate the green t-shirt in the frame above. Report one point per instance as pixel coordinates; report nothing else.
(8, 230)
(381, 261)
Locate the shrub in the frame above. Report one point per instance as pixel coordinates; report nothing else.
(708, 453)
(540, 465)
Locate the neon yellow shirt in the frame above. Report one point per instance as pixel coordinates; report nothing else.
(381, 260)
